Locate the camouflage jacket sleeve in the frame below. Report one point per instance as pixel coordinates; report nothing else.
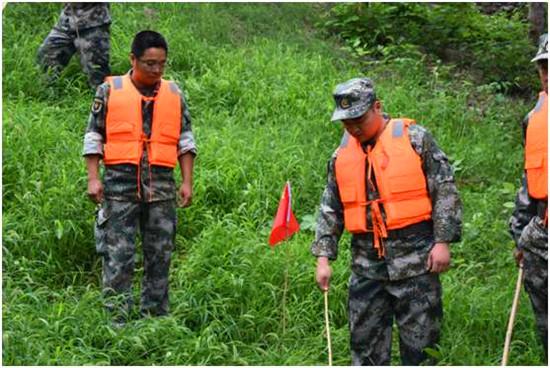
(524, 211)
(446, 203)
(95, 132)
(187, 140)
(81, 16)
(330, 222)
(524, 123)
(526, 207)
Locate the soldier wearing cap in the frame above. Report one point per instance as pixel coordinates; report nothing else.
(82, 28)
(529, 221)
(392, 187)
(140, 128)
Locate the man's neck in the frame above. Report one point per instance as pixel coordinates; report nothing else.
(146, 90)
(372, 141)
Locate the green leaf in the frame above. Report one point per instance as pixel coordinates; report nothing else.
(308, 223)
(58, 229)
(433, 353)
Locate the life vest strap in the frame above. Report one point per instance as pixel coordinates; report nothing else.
(378, 225)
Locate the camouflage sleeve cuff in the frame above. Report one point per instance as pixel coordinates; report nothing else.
(93, 144)
(187, 143)
(325, 247)
(448, 228)
(515, 228)
(525, 209)
(446, 239)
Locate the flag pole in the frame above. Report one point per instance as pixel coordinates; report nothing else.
(284, 225)
(512, 319)
(327, 327)
(285, 285)
(285, 288)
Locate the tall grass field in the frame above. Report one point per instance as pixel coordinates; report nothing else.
(258, 79)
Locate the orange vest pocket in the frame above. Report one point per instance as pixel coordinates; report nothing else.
(170, 130)
(348, 194)
(163, 154)
(124, 152)
(408, 183)
(354, 211)
(352, 219)
(120, 127)
(537, 180)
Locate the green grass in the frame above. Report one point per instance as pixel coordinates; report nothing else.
(258, 80)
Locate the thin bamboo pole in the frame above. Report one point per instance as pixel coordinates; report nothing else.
(327, 327)
(512, 319)
(285, 287)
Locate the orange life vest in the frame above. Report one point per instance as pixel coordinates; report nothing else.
(125, 139)
(536, 149)
(399, 178)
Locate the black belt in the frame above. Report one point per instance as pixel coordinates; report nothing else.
(424, 227)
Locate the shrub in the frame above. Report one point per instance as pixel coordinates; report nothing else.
(494, 48)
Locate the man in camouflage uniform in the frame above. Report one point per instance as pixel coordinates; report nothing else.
(137, 196)
(82, 28)
(404, 282)
(529, 221)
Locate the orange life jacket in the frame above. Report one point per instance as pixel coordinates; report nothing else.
(399, 178)
(125, 139)
(536, 149)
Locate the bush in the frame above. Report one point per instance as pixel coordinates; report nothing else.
(495, 48)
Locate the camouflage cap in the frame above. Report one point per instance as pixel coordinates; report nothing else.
(542, 53)
(353, 98)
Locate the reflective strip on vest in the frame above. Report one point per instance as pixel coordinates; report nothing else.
(117, 82)
(125, 140)
(536, 149)
(399, 178)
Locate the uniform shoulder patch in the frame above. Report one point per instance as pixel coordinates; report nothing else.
(97, 105)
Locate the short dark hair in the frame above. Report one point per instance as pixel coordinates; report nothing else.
(146, 39)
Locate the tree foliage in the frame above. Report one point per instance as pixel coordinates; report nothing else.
(495, 48)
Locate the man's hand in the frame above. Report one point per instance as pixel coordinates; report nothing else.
(439, 258)
(186, 194)
(95, 190)
(323, 273)
(518, 256)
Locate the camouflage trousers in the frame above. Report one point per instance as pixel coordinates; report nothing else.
(92, 45)
(534, 243)
(115, 231)
(414, 303)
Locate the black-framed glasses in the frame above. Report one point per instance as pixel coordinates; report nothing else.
(152, 63)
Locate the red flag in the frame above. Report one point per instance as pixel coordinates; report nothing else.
(285, 223)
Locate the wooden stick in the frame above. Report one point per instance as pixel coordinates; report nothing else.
(327, 327)
(285, 289)
(512, 318)
(285, 285)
